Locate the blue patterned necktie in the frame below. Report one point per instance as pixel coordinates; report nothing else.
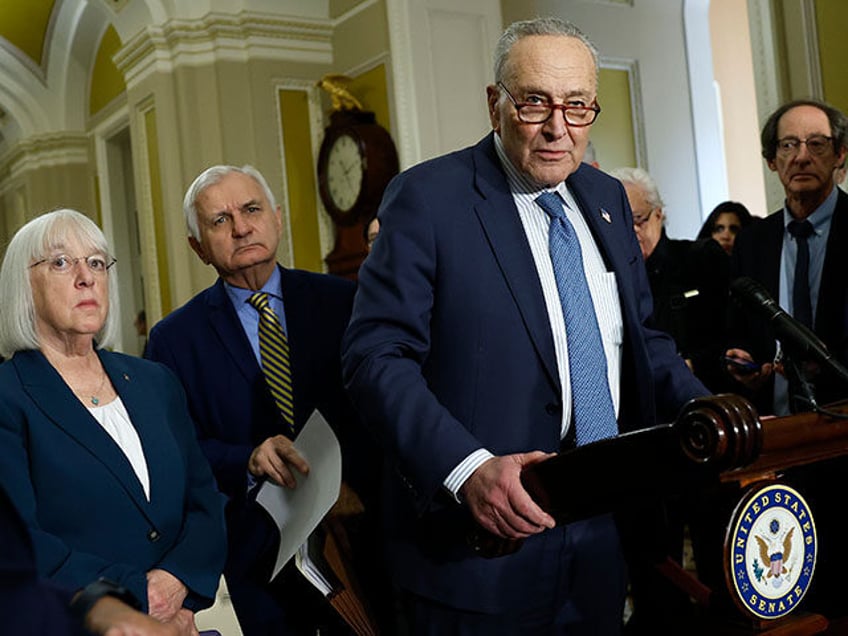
(593, 414)
(274, 354)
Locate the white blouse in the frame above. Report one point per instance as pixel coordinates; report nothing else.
(115, 420)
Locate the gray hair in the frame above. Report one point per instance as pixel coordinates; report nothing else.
(641, 178)
(538, 26)
(837, 119)
(41, 235)
(210, 177)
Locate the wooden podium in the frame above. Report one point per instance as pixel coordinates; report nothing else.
(757, 534)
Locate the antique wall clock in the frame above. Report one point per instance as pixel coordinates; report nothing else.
(356, 161)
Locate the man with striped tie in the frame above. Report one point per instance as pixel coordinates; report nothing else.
(257, 352)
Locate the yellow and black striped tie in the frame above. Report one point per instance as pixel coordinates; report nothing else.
(274, 353)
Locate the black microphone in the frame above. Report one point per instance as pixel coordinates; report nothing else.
(798, 341)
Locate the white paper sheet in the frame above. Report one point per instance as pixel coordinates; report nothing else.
(297, 512)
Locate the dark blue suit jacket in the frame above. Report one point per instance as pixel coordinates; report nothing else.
(78, 495)
(29, 606)
(450, 349)
(756, 254)
(233, 411)
(205, 344)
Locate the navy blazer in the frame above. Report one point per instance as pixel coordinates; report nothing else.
(450, 349)
(756, 254)
(29, 606)
(233, 410)
(79, 496)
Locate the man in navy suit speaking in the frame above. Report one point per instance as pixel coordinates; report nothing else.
(500, 318)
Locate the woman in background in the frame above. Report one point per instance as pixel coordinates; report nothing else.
(724, 223)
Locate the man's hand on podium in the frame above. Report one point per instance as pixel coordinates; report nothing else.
(498, 500)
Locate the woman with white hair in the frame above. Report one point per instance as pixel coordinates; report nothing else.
(97, 449)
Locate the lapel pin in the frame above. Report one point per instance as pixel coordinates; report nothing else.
(126, 377)
(606, 216)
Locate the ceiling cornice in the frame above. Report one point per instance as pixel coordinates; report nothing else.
(224, 37)
(44, 151)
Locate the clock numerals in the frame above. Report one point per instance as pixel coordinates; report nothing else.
(345, 171)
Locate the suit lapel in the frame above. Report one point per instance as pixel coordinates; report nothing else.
(599, 220)
(499, 217)
(830, 312)
(770, 253)
(227, 326)
(58, 403)
(149, 418)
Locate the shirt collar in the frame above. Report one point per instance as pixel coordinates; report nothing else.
(518, 183)
(240, 295)
(821, 216)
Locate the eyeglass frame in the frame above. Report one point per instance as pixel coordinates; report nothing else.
(595, 108)
(642, 220)
(107, 259)
(795, 148)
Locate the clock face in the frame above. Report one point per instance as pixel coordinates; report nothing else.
(345, 169)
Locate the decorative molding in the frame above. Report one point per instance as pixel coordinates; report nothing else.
(144, 211)
(637, 114)
(626, 3)
(313, 98)
(223, 37)
(25, 60)
(403, 73)
(767, 83)
(811, 42)
(45, 151)
(353, 11)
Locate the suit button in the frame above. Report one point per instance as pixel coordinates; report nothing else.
(552, 409)
(153, 536)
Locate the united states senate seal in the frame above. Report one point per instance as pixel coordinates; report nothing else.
(772, 548)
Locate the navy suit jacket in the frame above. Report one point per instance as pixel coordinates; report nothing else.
(450, 349)
(232, 407)
(79, 496)
(756, 254)
(29, 606)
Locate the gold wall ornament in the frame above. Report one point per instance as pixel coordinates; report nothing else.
(342, 99)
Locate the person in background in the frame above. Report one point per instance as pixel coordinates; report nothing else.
(689, 284)
(724, 223)
(803, 142)
(689, 281)
(472, 358)
(246, 419)
(370, 231)
(97, 449)
(798, 255)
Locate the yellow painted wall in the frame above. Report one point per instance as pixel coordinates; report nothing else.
(107, 82)
(370, 89)
(25, 25)
(300, 180)
(613, 132)
(832, 26)
(159, 224)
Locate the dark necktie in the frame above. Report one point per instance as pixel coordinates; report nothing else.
(274, 354)
(592, 409)
(802, 307)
